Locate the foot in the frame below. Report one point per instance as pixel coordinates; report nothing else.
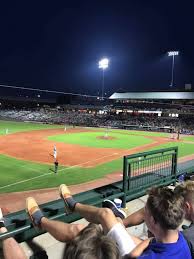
(67, 198)
(111, 205)
(34, 212)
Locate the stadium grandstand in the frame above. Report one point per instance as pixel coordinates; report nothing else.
(132, 113)
(168, 111)
(97, 130)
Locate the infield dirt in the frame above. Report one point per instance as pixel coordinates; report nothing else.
(34, 146)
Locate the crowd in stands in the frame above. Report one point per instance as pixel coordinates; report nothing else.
(149, 122)
(106, 237)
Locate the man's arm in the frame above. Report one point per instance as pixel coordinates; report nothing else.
(135, 218)
(139, 249)
(11, 249)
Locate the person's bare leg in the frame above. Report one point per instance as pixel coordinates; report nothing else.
(103, 216)
(63, 232)
(11, 249)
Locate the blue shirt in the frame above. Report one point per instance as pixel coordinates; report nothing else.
(178, 250)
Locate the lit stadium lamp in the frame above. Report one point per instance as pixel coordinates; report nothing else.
(172, 54)
(103, 64)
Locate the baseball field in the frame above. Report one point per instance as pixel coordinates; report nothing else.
(84, 154)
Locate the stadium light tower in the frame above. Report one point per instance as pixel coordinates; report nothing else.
(103, 64)
(173, 54)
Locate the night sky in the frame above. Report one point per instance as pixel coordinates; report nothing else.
(50, 45)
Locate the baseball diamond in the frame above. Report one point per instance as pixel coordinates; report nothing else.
(27, 164)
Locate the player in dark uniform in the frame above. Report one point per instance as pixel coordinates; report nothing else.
(56, 164)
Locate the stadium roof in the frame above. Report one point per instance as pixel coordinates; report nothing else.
(153, 95)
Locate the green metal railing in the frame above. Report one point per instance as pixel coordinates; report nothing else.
(143, 170)
(140, 171)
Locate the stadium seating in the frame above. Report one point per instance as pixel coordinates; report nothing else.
(128, 121)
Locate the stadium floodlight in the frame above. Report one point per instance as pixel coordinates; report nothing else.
(172, 54)
(103, 64)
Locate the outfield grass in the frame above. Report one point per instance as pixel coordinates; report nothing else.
(39, 176)
(188, 138)
(14, 170)
(23, 175)
(184, 149)
(91, 139)
(133, 132)
(144, 133)
(14, 126)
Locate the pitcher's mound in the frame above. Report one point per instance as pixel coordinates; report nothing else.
(106, 137)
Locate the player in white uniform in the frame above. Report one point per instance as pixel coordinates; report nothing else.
(55, 152)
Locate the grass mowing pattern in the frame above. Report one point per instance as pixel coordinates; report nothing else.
(184, 149)
(144, 133)
(90, 139)
(189, 138)
(14, 170)
(14, 126)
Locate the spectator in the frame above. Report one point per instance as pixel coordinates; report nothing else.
(164, 213)
(11, 249)
(72, 233)
(185, 189)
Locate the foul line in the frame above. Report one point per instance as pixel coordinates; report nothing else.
(27, 180)
(89, 161)
(67, 168)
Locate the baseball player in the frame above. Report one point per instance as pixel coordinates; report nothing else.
(55, 152)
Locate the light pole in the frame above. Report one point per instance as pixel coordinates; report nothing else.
(103, 64)
(172, 54)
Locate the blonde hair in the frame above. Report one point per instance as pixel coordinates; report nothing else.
(92, 243)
